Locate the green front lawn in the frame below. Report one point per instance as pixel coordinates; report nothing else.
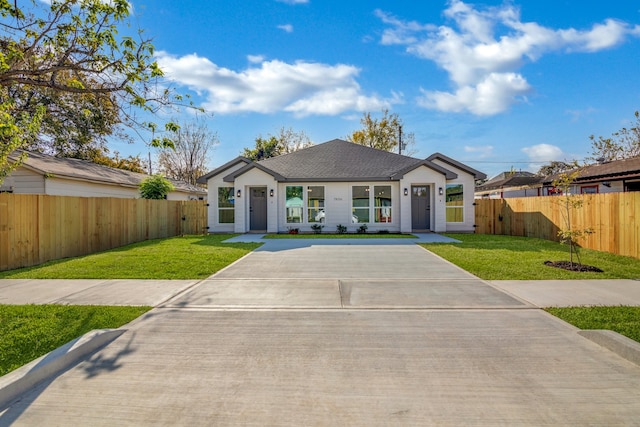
(493, 257)
(622, 319)
(188, 257)
(30, 331)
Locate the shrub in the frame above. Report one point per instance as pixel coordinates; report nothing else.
(317, 228)
(155, 187)
(341, 229)
(362, 229)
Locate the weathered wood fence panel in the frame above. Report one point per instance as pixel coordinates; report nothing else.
(39, 228)
(611, 216)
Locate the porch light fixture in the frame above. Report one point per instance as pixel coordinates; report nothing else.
(271, 193)
(406, 191)
(440, 191)
(238, 194)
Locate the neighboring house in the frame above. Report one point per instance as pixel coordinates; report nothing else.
(510, 184)
(606, 177)
(342, 183)
(43, 174)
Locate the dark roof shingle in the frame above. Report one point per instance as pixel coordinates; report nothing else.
(339, 160)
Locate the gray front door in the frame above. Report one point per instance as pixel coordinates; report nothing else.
(420, 208)
(258, 209)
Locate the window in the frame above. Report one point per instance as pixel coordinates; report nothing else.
(382, 203)
(589, 189)
(294, 205)
(360, 203)
(226, 213)
(315, 204)
(455, 203)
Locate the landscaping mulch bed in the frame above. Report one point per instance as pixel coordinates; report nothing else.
(573, 266)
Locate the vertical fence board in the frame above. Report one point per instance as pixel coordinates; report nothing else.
(39, 228)
(611, 216)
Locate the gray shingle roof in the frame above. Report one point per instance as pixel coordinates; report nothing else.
(510, 179)
(448, 160)
(85, 170)
(617, 169)
(339, 160)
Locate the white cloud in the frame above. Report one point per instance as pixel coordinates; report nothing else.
(543, 153)
(480, 152)
(483, 49)
(288, 28)
(293, 1)
(486, 98)
(255, 59)
(301, 88)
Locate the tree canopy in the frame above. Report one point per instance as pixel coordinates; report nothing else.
(555, 167)
(68, 79)
(286, 141)
(193, 143)
(622, 144)
(383, 133)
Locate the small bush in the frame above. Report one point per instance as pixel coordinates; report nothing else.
(362, 229)
(155, 187)
(317, 228)
(341, 229)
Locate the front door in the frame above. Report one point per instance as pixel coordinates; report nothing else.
(258, 209)
(420, 208)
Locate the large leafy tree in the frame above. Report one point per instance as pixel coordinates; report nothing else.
(382, 133)
(68, 80)
(192, 146)
(286, 141)
(622, 144)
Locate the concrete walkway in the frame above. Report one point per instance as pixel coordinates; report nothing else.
(344, 334)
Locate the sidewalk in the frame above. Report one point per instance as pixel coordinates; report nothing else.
(345, 334)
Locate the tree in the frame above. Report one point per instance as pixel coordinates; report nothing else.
(568, 204)
(290, 140)
(555, 167)
(131, 163)
(263, 149)
(66, 72)
(383, 134)
(287, 141)
(193, 143)
(622, 144)
(155, 187)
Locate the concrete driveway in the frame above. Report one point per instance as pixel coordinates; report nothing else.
(341, 335)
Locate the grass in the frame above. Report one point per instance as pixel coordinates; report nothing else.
(30, 331)
(339, 236)
(624, 320)
(492, 257)
(188, 257)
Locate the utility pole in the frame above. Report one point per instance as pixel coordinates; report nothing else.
(400, 139)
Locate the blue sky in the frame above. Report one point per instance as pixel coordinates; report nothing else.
(497, 85)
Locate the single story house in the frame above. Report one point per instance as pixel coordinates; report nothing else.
(44, 174)
(605, 177)
(342, 183)
(510, 184)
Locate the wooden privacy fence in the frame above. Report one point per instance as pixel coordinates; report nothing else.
(38, 228)
(611, 216)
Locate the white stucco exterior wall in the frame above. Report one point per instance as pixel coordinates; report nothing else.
(213, 184)
(468, 186)
(255, 178)
(338, 207)
(432, 179)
